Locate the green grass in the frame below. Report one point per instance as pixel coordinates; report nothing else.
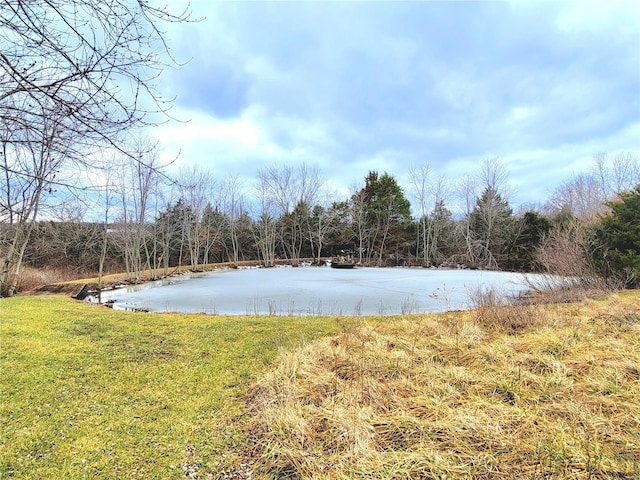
(88, 392)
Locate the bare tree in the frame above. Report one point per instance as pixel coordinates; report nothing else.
(265, 226)
(71, 59)
(361, 230)
(197, 187)
(616, 173)
(494, 175)
(586, 194)
(420, 178)
(106, 203)
(74, 75)
(139, 184)
(31, 159)
(429, 193)
(468, 191)
(291, 192)
(323, 221)
(582, 195)
(234, 207)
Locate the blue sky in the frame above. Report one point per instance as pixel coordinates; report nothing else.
(359, 86)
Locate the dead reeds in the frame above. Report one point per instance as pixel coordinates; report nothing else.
(505, 392)
(32, 278)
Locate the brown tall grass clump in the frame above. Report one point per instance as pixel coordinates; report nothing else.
(458, 395)
(32, 278)
(497, 312)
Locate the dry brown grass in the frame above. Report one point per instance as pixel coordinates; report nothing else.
(32, 278)
(509, 392)
(497, 312)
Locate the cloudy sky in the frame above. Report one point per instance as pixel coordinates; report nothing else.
(359, 86)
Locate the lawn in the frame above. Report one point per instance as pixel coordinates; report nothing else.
(88, 392)
(543, 391)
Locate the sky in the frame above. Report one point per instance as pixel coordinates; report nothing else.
(351, 87)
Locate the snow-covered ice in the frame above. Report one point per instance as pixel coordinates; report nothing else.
(317, 291)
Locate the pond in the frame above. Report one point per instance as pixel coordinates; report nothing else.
(317, 291)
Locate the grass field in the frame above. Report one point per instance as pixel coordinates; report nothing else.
(88, 392)
(546, 391)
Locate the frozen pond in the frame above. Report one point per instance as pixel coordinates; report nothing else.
(317, 291)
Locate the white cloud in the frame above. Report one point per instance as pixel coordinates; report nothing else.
(383, 86)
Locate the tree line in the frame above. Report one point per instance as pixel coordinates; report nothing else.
(151, 223)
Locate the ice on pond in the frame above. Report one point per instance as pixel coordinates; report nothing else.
(317, 291)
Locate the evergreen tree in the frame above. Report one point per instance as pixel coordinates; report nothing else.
(529, 232)
(618, 237)
(212, 229)
(387, 211)
(491, 224)
(440, 231)
(172, 228)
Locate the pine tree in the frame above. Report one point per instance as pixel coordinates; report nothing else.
(491, 225)
(529, 232)
(618, 237)
(386, 210)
